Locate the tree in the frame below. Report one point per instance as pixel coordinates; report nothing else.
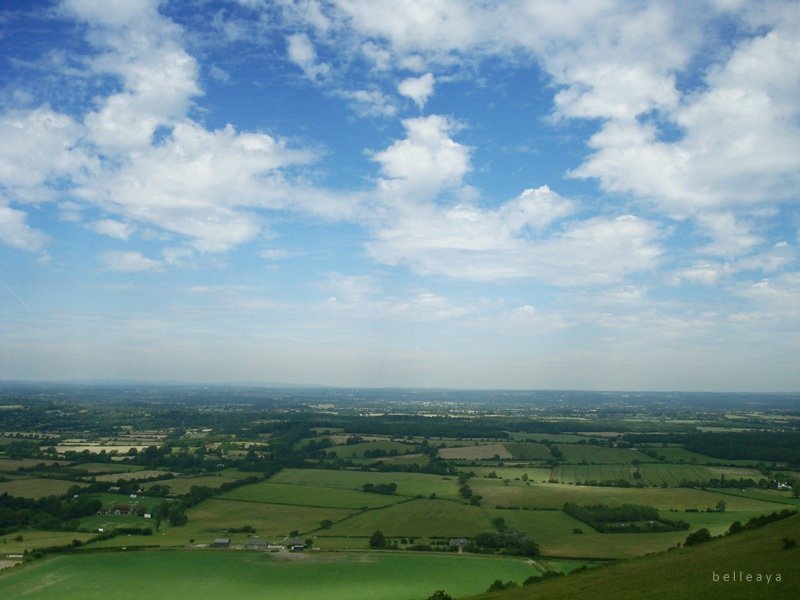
(440, 595)
(721, 506)
(326, 524)
(698, 537)
(377, 539)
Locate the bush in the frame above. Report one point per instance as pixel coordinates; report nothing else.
(789, 543)
(698, 537)
(377, 539)
(440, 595)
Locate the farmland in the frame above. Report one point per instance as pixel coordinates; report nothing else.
(247, 575)
(381, 491)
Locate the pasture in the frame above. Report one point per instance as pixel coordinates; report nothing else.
(528, 451)
(103, 468)
(182, 485)
(34, 487)
(555, 495)
(408, 484)
(306, 495)
(475, 452)
(588, 453)
(37, 539)
(246, 575)
(11, 465)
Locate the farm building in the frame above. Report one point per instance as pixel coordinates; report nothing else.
(295, 545)
(458, 543)
(221, 543)
(256, 544)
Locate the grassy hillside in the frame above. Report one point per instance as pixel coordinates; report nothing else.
(688, 572)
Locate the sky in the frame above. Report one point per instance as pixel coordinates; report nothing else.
(425, 193)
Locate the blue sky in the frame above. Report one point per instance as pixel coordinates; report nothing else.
(517, 194)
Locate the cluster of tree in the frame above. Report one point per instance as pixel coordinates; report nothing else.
(503, 540)
(498, 585)
(380, 488)
(760, 521)
(768, 446)
(51, 512)
(628, 518)
(623, 483)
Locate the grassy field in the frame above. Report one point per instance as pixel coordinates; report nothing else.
(357, 450)
(182, 485)
(554, 495)
(681, 455)
(408, 484)
(102, 468)
(766, 495)
(577, 453)
(539, 474)
(528, 451)
(688, 572)
(126, 475)
(37, 539)
(11, 465)
(245, 575)
(475, 452)
(34, 487)
(306, 495)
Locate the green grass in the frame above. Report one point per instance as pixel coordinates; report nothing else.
(37, 539)
(101, 468)
(182, 485)
(554, 495)
(577, 453)
(538, 474)
(528, 451)
(418, 518)
(766, 495)
(201, 575)
(688, 572)
(11, 465)
(347, 451)
(576, 473)
(34, 487)
(681, 455)
(408, 484)
(475, 452)
(306, 495)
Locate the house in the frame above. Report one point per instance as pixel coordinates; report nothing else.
(458, 543)
(121, 509)
(221, 543)
(256, 544)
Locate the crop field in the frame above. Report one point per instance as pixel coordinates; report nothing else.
(555, 495)
(408, 484)
(475, 452)
(10, 465)
(419, 518)
(357, 450)
(577, 453)
(246, 575)
(101, 468)
(528, 451)
(182, 485)
(681, 455)
(576, 473)
(126, 475)
(34, 487)
(306, 495)
(538, 474)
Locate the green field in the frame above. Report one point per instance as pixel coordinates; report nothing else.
(243, 575)
(408, 484)
(11, 465)
(357, 450)
(182, 485)
(554, 495)
(538, 474)
(34, 487)
(528, 451)
(681, 455)
(475, 452)
(37, 539)
(101, 468)
(687, 572)
(578, 453)
(307, 495)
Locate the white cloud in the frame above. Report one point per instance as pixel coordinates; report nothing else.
(302, 53)
(418, 89)
(112, 228)
(35, 145)
(370, 103)
(128, 261)
(15, 232)
(426, 161)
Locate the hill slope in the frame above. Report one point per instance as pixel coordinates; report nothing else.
(689, 572)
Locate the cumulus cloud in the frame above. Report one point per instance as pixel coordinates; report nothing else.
(15, 231)
(112, 228)
(128, 261)
(302, 53)
(425, 161)
(418, 89)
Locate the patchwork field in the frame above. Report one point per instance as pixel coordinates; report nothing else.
(101, 468)
(37, 539)
(245, 575)
(578, 453)
(182, 485)
(528, 451)
(126, 475)
(10, 465)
